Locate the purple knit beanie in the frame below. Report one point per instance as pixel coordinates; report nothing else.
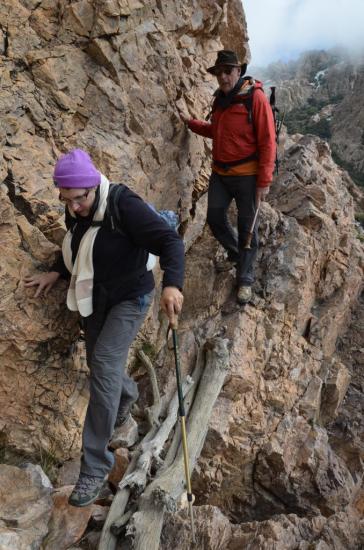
(75, 170)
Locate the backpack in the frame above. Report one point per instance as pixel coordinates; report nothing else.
(247, 101)
(112, 219)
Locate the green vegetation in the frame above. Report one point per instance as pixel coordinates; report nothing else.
(357, 177)
(359, 216)
(299, 120)
(46, 459)
(49, 463)
(149, 350)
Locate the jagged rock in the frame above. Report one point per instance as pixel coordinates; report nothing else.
(108, 77)
(105, 77)
(298, 461)
(290, 532)
(67, 523)
(125, 435)
(213, 530)
(309, 405)
(279, 346)
(335, 387)
(69, 472)
(25, 507)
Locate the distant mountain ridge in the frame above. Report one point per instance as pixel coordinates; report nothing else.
(322, 93)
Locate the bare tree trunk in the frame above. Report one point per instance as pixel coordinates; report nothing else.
(162, 494)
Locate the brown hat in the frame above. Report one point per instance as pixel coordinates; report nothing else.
(227, 57)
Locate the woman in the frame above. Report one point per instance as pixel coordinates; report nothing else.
(112, 288)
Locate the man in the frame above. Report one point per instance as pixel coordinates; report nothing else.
(243, 157)
(112, 288)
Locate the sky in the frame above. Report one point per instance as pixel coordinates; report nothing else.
(282, 29)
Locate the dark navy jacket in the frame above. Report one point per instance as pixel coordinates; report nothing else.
(119, 258)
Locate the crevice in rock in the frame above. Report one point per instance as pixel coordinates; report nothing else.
(18, 200)
(6, 41)
(307, 330)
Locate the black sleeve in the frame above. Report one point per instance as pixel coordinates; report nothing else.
(149, 231)
(59, 264)
(60, 267)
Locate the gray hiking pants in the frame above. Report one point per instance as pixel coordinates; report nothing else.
(222, 190)
(111, 389)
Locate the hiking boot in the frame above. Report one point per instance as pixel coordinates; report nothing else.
(122, 417)
(125, 433)
(244, 294)
(224, 265)
(123, 413)
(86, 490)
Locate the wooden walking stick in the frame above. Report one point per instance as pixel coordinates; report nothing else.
(251, 230)
(182, 414)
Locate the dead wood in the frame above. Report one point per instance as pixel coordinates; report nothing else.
(188, 400)
(144, 529)
(151, 449)
(154, 411)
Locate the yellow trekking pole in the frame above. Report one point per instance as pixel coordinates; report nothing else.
(183, 427)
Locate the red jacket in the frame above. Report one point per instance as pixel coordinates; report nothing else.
(234, 137)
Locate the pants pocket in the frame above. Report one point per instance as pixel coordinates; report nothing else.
(145, 301)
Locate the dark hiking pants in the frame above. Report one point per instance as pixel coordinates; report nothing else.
(222, 190)
(110, 387)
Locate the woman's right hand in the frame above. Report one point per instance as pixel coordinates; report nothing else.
(44, 282)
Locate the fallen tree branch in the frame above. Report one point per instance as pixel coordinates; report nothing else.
(176, 441)
(150, 450)
(154, 411)
(144, 529)
(118, 526)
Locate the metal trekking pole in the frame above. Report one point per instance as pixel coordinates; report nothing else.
(251, 230)
(182, 414)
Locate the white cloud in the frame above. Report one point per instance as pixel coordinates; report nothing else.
(280, 29)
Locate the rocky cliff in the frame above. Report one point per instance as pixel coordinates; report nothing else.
(322, 94)
(281, 467)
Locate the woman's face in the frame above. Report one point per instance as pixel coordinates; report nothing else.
(79, 200)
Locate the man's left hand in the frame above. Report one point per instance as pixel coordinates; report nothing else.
(261, 193)
(171, 303)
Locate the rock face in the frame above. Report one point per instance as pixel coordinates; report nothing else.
(268, 446)
(104, 76)
(278, 469)
(25, 507)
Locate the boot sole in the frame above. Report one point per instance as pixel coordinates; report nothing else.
(84, 504)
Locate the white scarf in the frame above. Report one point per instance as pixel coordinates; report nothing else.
(79, 295)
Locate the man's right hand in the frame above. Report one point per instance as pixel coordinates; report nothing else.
(183, 117)
(261, 193)
(44, 282)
